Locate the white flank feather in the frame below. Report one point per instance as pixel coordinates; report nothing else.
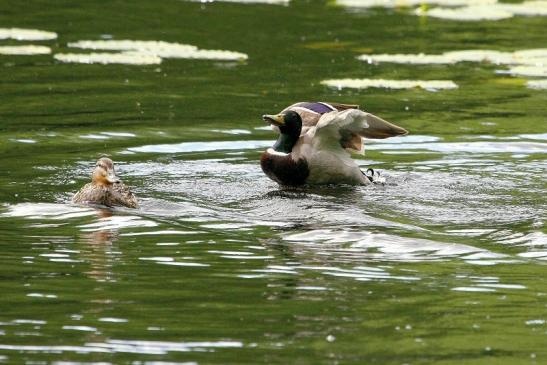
(328, 161)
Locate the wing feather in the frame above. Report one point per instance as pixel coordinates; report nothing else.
(345, 128)
(379, 128)
(340, 130)
(341, 106)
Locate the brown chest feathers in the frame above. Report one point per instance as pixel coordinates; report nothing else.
(114, 195)
(284, 170)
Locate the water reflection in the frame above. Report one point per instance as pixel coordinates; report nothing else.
(126, 346)
(430, 85)
(537, 84)
(106, 58)
(511, 144)
(460, 10)
(98, 251)
(526, 62)
(98, 237)
(135, 52)
(24, 50)
(21, 34)
(485, 284)
(273, 2)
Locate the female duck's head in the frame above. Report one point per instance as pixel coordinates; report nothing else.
(104, 173)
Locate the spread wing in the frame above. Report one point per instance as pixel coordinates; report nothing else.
(341, 106)
(309, 117)
(345, 129)
(379, 128)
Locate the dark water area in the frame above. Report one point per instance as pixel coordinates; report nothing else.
(444, 264)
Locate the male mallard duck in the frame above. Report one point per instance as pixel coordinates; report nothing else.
(105, 188)
(312, 143)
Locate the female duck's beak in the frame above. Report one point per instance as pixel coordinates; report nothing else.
(111, 176)
(277, 120)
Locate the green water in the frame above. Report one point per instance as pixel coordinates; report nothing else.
(443, 265)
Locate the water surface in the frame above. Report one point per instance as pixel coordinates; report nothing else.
(444, 264)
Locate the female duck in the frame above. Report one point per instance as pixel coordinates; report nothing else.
(105, 188)
(313, 143)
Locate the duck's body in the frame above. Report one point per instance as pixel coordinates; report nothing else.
(105, 188)
(313, 143)
(117, 194)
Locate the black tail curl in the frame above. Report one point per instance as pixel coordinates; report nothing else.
(373, 176)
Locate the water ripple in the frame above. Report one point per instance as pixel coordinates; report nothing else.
(187, 147)
(380, 246)
(47, 210)
(127, 346)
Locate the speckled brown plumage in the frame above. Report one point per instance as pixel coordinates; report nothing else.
(116, 194)
(105, 188)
